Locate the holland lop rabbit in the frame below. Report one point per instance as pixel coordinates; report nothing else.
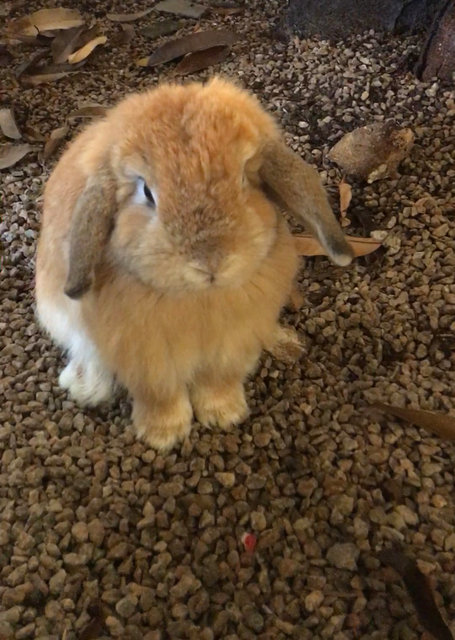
(163, 261)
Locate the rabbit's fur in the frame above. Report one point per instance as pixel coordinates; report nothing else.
(177, 300)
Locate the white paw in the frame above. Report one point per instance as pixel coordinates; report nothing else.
(88, 384)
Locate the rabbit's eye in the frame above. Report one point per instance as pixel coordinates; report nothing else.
(149, 195)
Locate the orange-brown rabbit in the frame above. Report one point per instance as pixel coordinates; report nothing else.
(163, 263)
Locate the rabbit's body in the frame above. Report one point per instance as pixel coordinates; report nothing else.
(176, 287)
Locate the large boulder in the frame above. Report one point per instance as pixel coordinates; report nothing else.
(335, 19)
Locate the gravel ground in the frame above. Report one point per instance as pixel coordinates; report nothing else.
(94, 525)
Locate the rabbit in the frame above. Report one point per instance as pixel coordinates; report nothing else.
(164, 260)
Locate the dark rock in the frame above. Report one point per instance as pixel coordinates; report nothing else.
(338, 18)
(438, 54)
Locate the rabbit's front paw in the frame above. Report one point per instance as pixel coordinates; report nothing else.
(162, 426)
(88, 383)
(220, 406)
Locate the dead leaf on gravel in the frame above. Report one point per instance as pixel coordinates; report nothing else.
(54, 141)
(420, 591)
(198, 41)
(89, 111)
(65, 43)
(226, 8)
(307, 245)
(345, 192)
(8, 124)
(30, 64)
(10, 154)
(199, 60)
(373, 152)
(163, 28)
(184, 8)
(438, 423)
(86, 50)
(45, 20)
(42, 78)
(128, 17)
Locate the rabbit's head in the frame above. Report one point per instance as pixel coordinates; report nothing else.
(176, 186)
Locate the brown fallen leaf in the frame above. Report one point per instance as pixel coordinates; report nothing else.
(30, 64)
(438, 423)
(199, 60)
(420, 591)
(12, 153)
(185, 8)
(307, 245)
(86, 50)
(345, 192)
(163, 28)
(188, 44)
(42, 78)
(226, 8)
(54, 141)
(373, 152)
(88, 111)
(44, 20)
(128, 17)
(8, 124)
(65, 43)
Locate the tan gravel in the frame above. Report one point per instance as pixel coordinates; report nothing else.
(93, 524)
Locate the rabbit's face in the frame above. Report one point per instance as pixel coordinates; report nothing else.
(193, 235)
(189, 215)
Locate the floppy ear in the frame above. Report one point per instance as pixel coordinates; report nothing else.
(297, 186)
(91, 225)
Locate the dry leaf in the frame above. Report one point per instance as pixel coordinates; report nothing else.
(12, 153)
(30, 64)
(8, 124)
(199, 60)
(163, 28)
(373, 152)
(438, 423)
(44, 20)
(421, 593)
(86, 50)
(54, 141)
(128, 17)
(184, 8)
(307, 245)
(189, 44)
(88, 111)
(226, 8)
(65, 43)
(42, 78)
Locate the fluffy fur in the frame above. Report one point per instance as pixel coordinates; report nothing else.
(175, 300)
